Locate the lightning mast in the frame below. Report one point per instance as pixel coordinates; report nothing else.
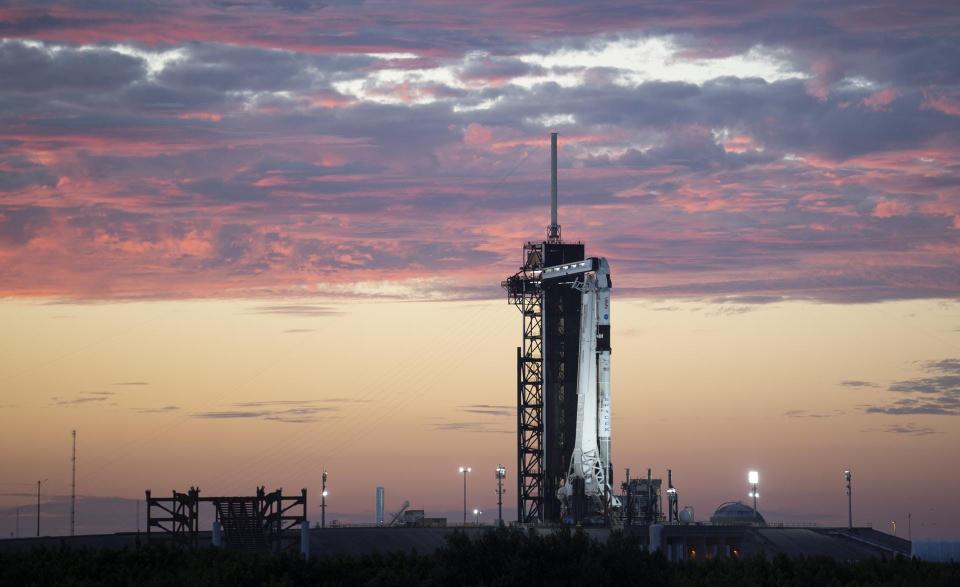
(553, 232)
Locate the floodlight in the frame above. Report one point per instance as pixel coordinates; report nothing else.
(753, 477)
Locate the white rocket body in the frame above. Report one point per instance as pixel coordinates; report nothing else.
(590, 460)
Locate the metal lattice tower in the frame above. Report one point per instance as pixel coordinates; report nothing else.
(73, 487)
(524, 291)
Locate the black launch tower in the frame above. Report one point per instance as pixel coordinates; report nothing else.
(546, 367)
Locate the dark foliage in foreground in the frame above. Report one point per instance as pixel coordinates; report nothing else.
(498, 558)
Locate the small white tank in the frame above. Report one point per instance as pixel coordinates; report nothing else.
(686, 515)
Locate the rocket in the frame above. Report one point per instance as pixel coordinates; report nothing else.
(590, 459)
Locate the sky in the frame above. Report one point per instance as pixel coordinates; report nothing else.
(241, 241)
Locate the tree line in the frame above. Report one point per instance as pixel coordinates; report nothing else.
(501, 557)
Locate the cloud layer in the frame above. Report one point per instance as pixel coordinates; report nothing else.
(287, 411)
(936, 394)
(265, 148)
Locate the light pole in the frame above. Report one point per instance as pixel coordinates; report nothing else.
(476, 514)
(464, 471)
(501, 474)
(18, 521)
(39, 483)
(323, 501)
(848, 476)
(753, 478)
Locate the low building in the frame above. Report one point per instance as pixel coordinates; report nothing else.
(418, 519)
(708, 541)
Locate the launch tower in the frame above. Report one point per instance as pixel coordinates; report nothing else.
(548, 363)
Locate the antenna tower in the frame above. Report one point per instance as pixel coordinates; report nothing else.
(73, 487)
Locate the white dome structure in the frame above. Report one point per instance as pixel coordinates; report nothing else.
(735, 513)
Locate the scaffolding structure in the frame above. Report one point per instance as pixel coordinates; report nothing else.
(546, 377)
(177, 518)
(262, 522)
(524, 291)
(642, 502)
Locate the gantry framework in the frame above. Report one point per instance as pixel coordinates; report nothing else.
(251, 523)
(547, 364)
(523, 291)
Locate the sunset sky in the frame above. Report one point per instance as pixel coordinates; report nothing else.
(244, 240)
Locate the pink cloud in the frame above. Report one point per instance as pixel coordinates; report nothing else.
(477, 134)
(880, 100)
(824, 73)
(240, 171)
(943, 102)
(890, 208)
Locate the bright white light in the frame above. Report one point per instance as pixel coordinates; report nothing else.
(325, 493)
(753, 477)
(476, 511)
(465, 469)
